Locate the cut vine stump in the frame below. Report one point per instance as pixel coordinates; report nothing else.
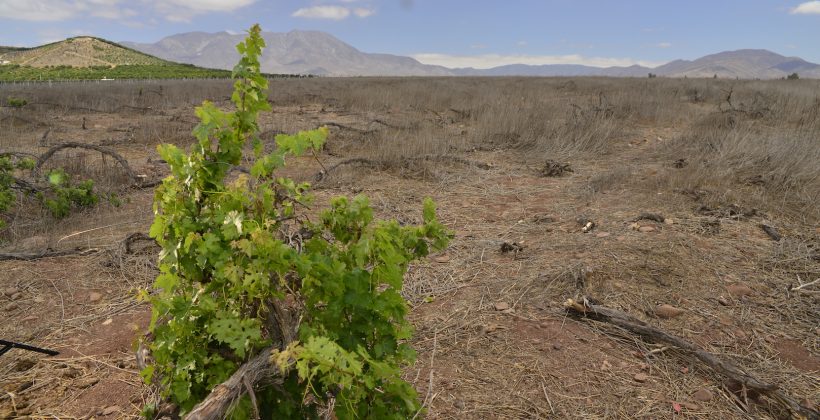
(256, 373)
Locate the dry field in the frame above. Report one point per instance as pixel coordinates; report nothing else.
(678, 177)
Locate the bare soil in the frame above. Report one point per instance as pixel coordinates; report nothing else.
(492, 337)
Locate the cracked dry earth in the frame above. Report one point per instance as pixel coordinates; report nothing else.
(492, 336)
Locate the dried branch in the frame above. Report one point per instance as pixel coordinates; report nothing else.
(74, 145)
(375, 164)
(347, 127)
(624, 320)
(136, 180)
(772, 232)
(655, 217)
(30, 256)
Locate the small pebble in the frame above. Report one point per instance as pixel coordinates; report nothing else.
(690, 405)
(502, 306)
(646, 229)
(739, 290)
(640, 377)
(703, 395)
(85, 383)
(668, 311)
(441, 259)
(111, 410)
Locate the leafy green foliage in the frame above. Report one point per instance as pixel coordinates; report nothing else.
(63, 195)
(59, 195)
(16, 102)
(11, 73)
(227, 272)
(16, 73)
(9, 164)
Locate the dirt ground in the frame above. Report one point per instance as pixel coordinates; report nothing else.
(492, 335)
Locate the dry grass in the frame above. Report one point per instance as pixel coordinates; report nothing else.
(716, 168)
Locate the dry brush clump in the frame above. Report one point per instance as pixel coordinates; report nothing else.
(121, 97)
(762, 152)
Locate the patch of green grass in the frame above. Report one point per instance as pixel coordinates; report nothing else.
(16, 73)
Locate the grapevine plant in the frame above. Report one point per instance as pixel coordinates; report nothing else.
(230, 274)
(58, 194)
(8, 165)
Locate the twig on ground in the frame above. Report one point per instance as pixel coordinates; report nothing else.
(726, 368)
(29, 256)
(803, 285)
(655, 217)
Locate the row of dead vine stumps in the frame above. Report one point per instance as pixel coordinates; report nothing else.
(34, 184)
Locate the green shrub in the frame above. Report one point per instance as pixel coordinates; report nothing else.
(228, 274)
(59, 195)
(8, 164)
(63, 196)
(16, 102)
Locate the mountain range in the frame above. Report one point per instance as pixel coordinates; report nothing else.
(319, 53)
(295, 52)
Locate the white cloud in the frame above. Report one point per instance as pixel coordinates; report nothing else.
(323, 12)
(209, 5)
(185, 10)
(664, 45)
(807, 8)
(60, 10)
(485, 61)
(521, 43)
(38, 10)
(363, 13)
(333, 12)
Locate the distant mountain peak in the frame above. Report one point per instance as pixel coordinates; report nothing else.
(320, 53)
(293, 52)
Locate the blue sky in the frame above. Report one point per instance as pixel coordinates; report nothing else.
(455, 33)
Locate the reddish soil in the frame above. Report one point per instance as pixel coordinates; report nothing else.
(532, 360)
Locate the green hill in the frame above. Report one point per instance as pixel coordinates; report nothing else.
(91, 58)
(4, 50)
(84, 51)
